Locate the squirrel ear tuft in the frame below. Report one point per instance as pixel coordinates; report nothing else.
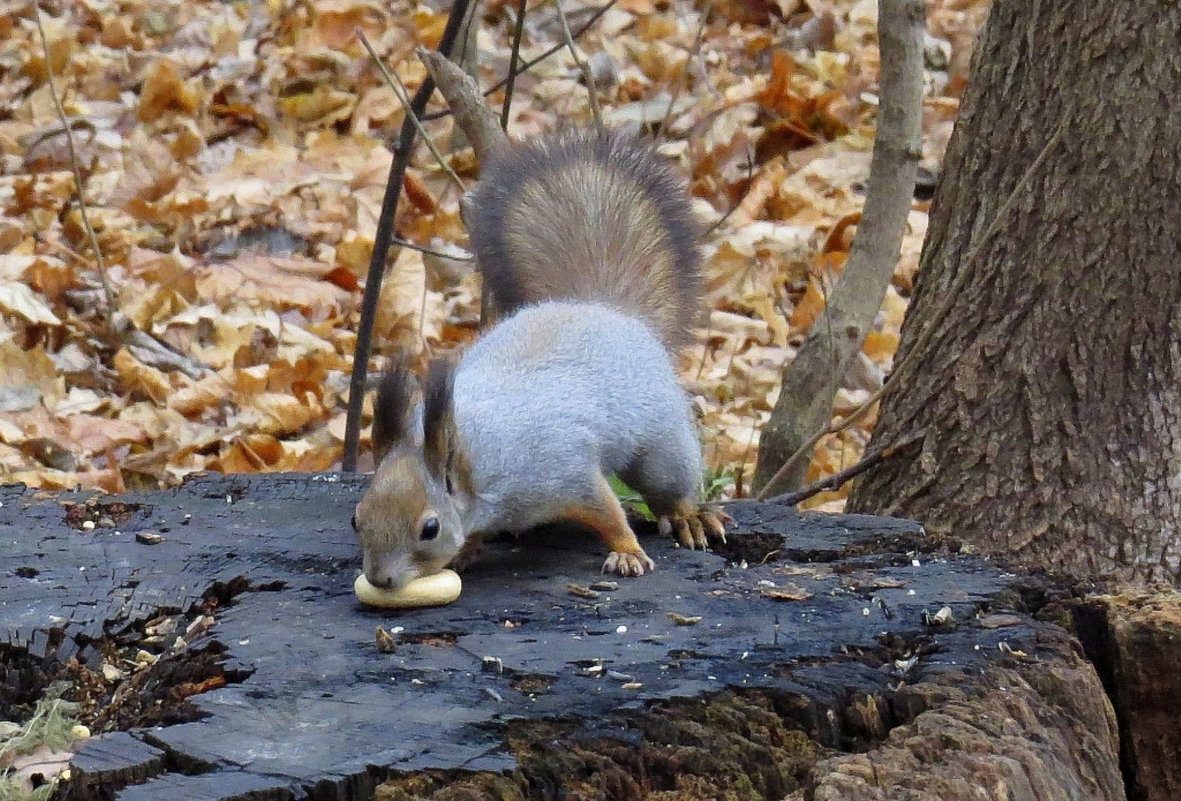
(394, 412)
(438, 421)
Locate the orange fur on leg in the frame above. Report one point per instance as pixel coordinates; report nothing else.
(607, 519)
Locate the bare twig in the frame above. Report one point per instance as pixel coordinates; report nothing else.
(533, 62)
(381, 247)
(750, 171)
(479, 124)
(153, 352)
(108, 296)
(807, 446)
(873, 457)
(974, 257)
(683, 78)
(32, 141)
(709, 326)
(399, 89)
(405, 243)
(518, 33)
(591, 92)
(473, 115)
(466, 55)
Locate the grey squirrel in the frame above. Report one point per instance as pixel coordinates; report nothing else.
(589, 256)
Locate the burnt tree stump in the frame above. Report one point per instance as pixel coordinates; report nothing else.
(820, 666)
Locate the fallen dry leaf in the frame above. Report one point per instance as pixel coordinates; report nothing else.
(235, 159)
(792, 592)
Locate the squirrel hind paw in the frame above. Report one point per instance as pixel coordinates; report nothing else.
(628, 564)
(695, 526)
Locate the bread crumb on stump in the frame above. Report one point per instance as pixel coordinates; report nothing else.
(434, 590)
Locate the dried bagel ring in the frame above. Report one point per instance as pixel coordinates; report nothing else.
(434, 590)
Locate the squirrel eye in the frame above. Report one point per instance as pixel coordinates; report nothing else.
(354, 522)
(430, 529)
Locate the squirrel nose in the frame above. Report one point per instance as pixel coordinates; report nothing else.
(386, 570)
(382, 582)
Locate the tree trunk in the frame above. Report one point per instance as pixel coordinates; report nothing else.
(1043, 347)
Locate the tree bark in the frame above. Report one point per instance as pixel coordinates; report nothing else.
(1043, 345)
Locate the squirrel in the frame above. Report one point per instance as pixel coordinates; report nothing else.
(589, 255)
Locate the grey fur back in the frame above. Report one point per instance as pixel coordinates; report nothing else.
(588, 216)
(559, 393)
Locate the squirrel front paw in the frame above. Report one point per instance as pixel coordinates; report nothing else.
(695, 525)
(628, 564)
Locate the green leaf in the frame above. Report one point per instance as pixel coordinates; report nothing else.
(631, 500)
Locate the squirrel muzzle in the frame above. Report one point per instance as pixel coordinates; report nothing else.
(407, 522)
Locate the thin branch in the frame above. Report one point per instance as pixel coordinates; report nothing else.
(750, 171)
(709, 327)
(957, 285)
(591, 92)
(472, 114)
(405, 243)
(381, 247)
(533, 62)
(34, 140)
(108, 296)
(683, 78)
(836, 480)
(399, 88)
(810, 443)
(514, 57)
(961, 278)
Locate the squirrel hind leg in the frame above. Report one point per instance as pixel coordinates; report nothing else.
(605, 516)
(669, 487)
(694, 524)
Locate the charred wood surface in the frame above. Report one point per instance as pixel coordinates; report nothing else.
(815, 644)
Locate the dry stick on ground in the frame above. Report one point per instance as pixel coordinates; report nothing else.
(807, 445)
(907, 363)
(108, 296)
(857, 297)
(514, 57)
(750, 171)
(709, 322)
(399, 89)
(381, 248)
(591, 92)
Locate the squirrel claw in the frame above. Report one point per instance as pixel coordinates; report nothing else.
(628, 564)
(696, 526)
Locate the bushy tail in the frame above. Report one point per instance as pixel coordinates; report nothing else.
(586, 215)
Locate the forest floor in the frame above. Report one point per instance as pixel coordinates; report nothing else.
(234, 157)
